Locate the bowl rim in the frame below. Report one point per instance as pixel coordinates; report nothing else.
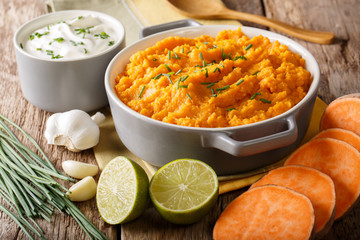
(60, 15)
(309, 58)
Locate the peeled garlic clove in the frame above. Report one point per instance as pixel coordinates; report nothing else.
(74, 129)
(79, 170)
(83, 190)
(98, 118)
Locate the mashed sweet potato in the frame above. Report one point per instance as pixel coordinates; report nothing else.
(229, 80)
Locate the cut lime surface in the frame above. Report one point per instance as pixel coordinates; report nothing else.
(184, 190)
(122, 191)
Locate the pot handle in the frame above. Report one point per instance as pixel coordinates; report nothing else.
(147, 31)
(224, 142)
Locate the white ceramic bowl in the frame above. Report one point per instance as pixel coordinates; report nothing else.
(58, 85)
(228, 150)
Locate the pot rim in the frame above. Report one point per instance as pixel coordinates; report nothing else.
(294, 46)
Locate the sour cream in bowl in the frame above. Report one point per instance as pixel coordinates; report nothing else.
(62, 58)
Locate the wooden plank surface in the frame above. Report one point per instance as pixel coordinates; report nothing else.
(339, 64)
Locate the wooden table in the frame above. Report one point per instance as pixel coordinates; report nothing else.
(340, 68)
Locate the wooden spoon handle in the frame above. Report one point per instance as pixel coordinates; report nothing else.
(309, 35)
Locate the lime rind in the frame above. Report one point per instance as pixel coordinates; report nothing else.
(122, 191)
(179, 206)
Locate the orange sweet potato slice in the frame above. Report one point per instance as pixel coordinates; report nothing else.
(266, 212)
(343, 113)
(341, 134)
(340, 161)
(317, 186)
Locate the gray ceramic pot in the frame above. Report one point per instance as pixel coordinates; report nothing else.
(228, 150)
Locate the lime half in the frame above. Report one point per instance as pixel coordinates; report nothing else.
(122, 191)
(184, 191)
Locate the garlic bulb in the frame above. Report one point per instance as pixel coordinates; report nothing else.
(83, 190)
(74, 129)
(79, 170)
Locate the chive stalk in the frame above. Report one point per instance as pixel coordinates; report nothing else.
(28, 187)
(240, 82)
(248, 47)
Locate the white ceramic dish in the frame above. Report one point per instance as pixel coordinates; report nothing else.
(58, 85)
(228, 150)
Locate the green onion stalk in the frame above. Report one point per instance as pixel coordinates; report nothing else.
(28, 187)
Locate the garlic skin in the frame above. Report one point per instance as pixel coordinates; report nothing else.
(79, 170)
(74, 129)
(83, 190)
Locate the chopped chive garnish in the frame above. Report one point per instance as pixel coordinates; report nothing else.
(176, 56)
(188, 52)
(223, 55)
(31, 37)
(186, 77)
(255, 73)
(205, 42)
(183, 86)
(240, 82)
(141, 92)
(102, 35)
(84, 31)
(206, 72)
(248, 47)
(210, 85)
(182, 50)
(154, 59)
(223, 88)
(60, 39)
(188, 96)
(240, 57)
(21, 45)
(205, 83)
(204, 63)
(169, 55)
(168, 76)
(201, 56)
(221, 65)
(57, 56)
(265, 101)
(85, 51)
(254, 96)
(157, 76)
(179, 71)
(213, 95)
(212, 90)
(230, 109)
(177, 84)
(168, 68)
(111, 43)
(171, 73)
(38, 49)
(217, 69)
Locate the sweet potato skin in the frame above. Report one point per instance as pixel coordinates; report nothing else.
(312, 183)
(340, 161)
(267, 212)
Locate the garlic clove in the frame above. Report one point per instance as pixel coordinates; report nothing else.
(83, 190)
(79, 170)
(98, 118)
(74, 129)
